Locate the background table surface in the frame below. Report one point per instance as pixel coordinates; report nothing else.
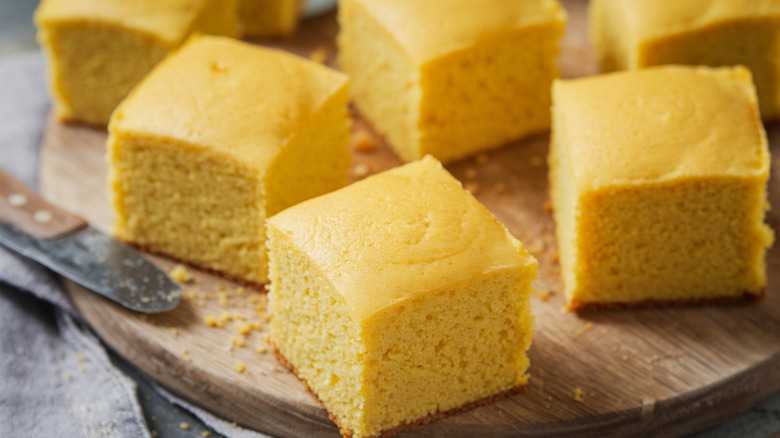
(17, 34)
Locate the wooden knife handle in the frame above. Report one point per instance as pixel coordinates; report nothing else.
(24, 209)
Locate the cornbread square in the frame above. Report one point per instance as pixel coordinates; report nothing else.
(658, 184)
(268, 18)
(220, 136)
(631, 34)
(399, 299)
(451, 77)
(98, 50)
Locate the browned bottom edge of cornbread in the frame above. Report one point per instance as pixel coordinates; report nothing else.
(745, 298)
(260, 287)
(408, 426)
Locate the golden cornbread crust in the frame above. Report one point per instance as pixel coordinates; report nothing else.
(261, 287)
(746, 297)
(408, 426)
(197, 163)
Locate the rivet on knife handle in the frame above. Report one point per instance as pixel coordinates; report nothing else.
(24, 209)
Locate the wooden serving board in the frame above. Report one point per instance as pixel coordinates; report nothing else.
(637, 373)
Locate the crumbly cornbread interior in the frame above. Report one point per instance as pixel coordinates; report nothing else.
(190, 203)
(195, 171)
(665, 200)
(387, 338)
(502, 93)
(481, 80)
(98, 50)
(86, 88)
(630, 34)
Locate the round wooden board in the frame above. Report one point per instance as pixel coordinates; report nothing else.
(648, 372)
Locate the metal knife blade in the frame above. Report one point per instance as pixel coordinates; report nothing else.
(102, 264)
(65, 243)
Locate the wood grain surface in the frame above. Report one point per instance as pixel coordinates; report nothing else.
(649, 372)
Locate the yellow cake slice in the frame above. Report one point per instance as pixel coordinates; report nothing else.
(98, 50)
(399, 299)
(631, 34)
(658, 183)
(220, 136)
(268, 18)
(451, 77)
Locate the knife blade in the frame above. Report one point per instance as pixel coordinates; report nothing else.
(66, 244)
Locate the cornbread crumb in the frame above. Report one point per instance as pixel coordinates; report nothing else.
(361, 170)
(363, 141)
(80, 357)
(578, 393)
(180, 274)
(206, 433)
(544, 295)
(68, 376)
(319, 55)
(174, 331)
(262, 349)
(184, 426)
(547, 206)
(211, 321)
(583, 329)
(244, 329)
(237, 342)
(185, 353)
(154, 434)
(240, 367)
(471, 187)
(225, 317)
(555, 257)
(536, 247)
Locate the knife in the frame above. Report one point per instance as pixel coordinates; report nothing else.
(68, 245)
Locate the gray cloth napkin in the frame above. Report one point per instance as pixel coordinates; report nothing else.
(56, 379)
